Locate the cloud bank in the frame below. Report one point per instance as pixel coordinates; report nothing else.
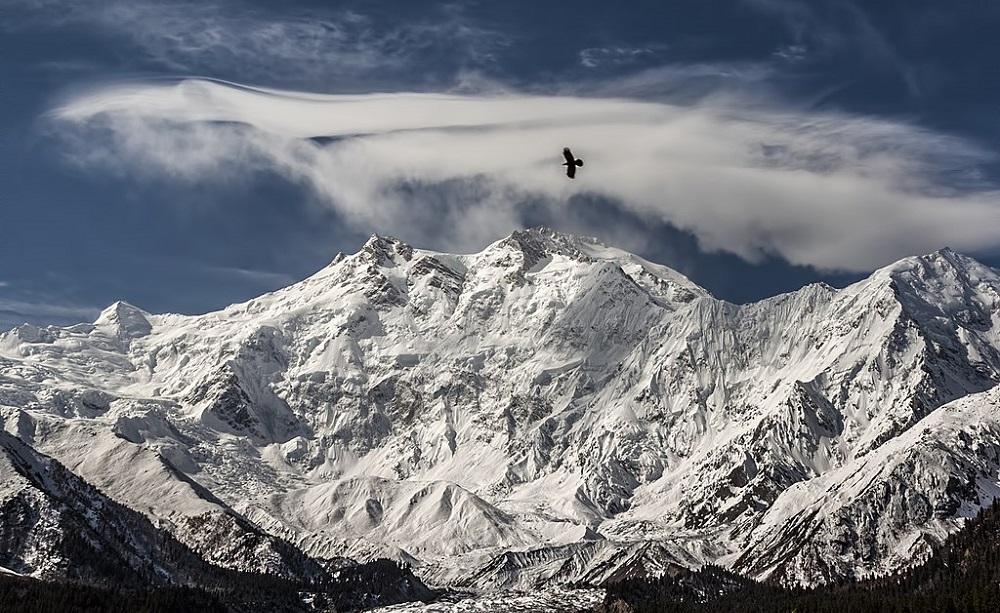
(821, 189)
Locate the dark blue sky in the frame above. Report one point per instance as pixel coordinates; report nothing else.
(79, 236)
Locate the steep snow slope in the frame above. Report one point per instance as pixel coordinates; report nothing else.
(879, 511)
(130, 454)
(54, 525)
(532, 413)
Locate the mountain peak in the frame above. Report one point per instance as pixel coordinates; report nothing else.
(549, 236)
(661, 282)
(946, 262)
(378, 239)
(382, 250)
(947, 254)
(126, 320)
(955, 259)
(942, 264)
(539, 241)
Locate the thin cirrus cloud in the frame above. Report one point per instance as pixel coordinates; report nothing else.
(835, 29)
(617, 55)
(260, 277)
(15, 311)
(309, 45)
(832, 191)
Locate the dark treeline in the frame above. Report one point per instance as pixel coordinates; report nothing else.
(377, 583)
(25, 595)
(962, 576)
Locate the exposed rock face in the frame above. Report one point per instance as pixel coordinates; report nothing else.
(548, 410)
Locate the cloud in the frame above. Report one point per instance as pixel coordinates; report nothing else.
(617, 56)
(686, 83)
(836, 29)
(791, 53)
(823, 189)
(300, 45)
(260, 277)
(14, 312)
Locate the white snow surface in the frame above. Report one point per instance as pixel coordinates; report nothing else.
(549, 410)
(546, 600)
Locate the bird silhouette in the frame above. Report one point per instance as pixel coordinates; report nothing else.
(571, 163)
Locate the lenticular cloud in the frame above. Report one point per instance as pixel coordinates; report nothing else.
(827, 190)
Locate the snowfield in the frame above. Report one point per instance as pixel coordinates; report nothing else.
(545, 600)
(548, 411)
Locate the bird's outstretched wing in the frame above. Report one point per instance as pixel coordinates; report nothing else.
(570, 170)
(570, 160)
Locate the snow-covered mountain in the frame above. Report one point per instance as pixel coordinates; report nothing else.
(54, 525)
(550, 409)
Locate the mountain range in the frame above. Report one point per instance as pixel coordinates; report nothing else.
(548, 411)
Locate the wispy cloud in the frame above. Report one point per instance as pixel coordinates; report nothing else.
(15, 312)
(21, 302)
(618, 55)
(684, 83)
(301, 45)
(840, 28)
(261, 277)
(823, 189)
(792, 53)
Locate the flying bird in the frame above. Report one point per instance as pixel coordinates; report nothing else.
(571, 162)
